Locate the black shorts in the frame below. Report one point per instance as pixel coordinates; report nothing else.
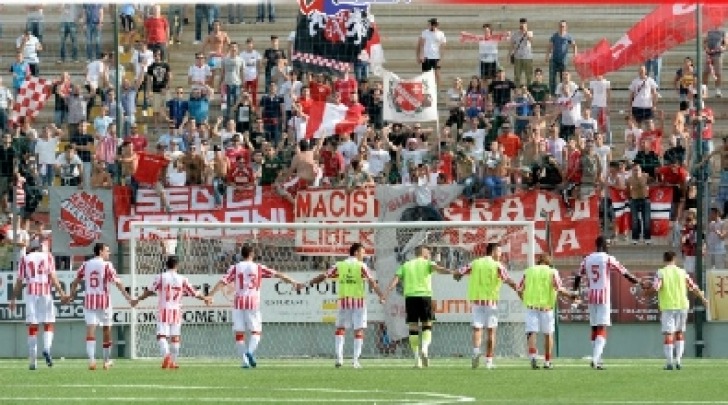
(487, 69)
(127, 23)
(418, 309)
(641, 114)
(430, 64)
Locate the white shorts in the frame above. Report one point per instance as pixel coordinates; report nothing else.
(169, 329)
(540, 321)
(674, 320)
(355, 318)
(100, 317)
(600, 314)
(484, 316)
(39, 309)
(247, 319)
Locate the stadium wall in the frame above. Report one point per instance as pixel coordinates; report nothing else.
(625, 340)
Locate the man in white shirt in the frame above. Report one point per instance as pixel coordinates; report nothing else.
(19, 240)
(348, 148)
(45, 148)
(488, 53)
(411, 155)
(6, 105)
(29, 46)
(199, 74)
(252, 61)
(478, 134)
(430, 48)
(69, 167)
(522, 53)
(290, 90)
(570, 105)
(601, 96)
(379, 159)
(643, 96)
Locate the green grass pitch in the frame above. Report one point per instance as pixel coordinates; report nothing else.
(382, 381)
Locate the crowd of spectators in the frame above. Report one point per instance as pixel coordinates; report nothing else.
(538, 128)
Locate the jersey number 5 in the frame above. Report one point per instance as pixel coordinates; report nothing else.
(595, 274)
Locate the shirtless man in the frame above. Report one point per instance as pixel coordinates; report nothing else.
(303, 172)
(220, 169)
(214, 46)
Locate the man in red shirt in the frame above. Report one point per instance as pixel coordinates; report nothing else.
(237, 150)
(510, 141)
(675, 175)
(241, 175)
(320, 90)
(355, 107)
(573, 171)
(138, 141)
(346, 86)
(156, 28)
(305, 100)
(654, 133)
(333, 163)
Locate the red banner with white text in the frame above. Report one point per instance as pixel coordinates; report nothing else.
(197, 204)
(571, 235)
(667, 26)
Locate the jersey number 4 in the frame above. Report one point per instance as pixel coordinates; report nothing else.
(33, 271)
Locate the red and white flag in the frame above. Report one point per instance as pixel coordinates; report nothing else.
(660, 204)
(326, 119)
(622, 215)
(31, 98)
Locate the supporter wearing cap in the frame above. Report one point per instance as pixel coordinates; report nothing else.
(430, 47)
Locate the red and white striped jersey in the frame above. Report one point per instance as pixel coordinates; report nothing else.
(596, 268)
(247, 276)
(35, 270)
(106, 149)
(350, 302)
(96, 274)
(170, 287)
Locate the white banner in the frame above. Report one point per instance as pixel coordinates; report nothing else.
(410, 100)
(279, 301)
(80, 218)
(335, 206)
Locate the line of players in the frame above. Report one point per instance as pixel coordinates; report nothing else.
(538, 289)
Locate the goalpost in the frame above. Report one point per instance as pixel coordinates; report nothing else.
(300, 323)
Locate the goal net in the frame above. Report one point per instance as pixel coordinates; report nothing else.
(300, 323)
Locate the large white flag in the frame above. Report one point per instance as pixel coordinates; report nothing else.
(410, 100)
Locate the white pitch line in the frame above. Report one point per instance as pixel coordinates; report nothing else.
(602, 402)
(429, 398)
(218, 400)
